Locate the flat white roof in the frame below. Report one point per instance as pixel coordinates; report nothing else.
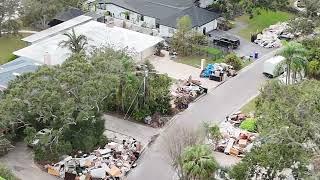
(98, 34)
(57, 29)
(275, 60)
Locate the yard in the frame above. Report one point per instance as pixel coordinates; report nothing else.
(8, 44)
(249, 107)
(213, 56)
(261, 20)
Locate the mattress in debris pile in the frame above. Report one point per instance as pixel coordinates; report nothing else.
(115, 160)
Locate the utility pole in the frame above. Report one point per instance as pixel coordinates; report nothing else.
(146, 74)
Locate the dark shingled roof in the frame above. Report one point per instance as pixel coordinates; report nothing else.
(166, 11)
(68, 14)
(197, 15)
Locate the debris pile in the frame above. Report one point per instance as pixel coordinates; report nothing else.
(235, 141)
(218, 71)
(185, 92)
(270, 37)
(115, 160)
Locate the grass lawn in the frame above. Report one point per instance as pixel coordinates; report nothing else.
(249, 107)
(8, 44)
(214, 56)
(195, 61)
(262, 21)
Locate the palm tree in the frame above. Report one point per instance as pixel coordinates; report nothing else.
(75, 43)
(198, 162)
(213, 133)
(294, 61)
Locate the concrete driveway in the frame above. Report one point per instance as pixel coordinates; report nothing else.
(246, 48)
(20, 161)
(138, 131)
(178, 71)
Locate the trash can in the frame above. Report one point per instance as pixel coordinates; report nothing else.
(256, 55)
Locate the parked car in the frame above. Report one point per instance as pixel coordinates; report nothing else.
(271, 66)
(38, 136)
(226, 41)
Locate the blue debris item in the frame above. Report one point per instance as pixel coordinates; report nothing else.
(206, 72)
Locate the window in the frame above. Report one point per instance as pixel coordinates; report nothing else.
(157, 25)
(142, 18)
(127, 17)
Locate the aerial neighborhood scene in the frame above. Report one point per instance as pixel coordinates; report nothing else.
(159, 89)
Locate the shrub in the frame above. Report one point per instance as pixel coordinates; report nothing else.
(6, 173)
(249, 124)
(234, 60)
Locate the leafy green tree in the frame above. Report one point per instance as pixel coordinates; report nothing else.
(38, 13)
(75, 43)
(185, 40)
(69, 100)
(199, 163)
(213, 133)
(288, 124)
(295, 62)
(302, 26)
(233, 60)
(8, 9)
(252, 5)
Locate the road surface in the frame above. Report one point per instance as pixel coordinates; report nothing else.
(20, 161)
(212, 108)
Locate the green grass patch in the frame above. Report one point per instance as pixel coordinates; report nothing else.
(195, 61)
(249, 107)
(212, 55)
(9, 44)
(261, 20)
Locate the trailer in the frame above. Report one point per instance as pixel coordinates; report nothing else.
(271, 67)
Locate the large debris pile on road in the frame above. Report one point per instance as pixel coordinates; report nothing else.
(270, 37)
(185, 92)
(235, 141)
(115, 160)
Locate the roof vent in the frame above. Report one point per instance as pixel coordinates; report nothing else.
(47, 59)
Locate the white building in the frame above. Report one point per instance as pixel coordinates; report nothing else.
(202, 20)
(157, 14)
(46, 49)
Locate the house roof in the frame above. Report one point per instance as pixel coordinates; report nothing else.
(69, 13)
(57, 29)
(12, 69)
(98, 34)
(166, 11)
(197, 15)
(152, 8)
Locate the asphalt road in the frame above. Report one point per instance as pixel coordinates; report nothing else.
(212, 108)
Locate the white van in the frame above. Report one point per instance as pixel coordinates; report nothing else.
(270, 66)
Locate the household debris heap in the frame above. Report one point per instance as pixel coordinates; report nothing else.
(218, 72)
(113, 161)
(271, 37)
(235, 141)
(184, 92)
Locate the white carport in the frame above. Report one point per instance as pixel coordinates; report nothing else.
(49, 52)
